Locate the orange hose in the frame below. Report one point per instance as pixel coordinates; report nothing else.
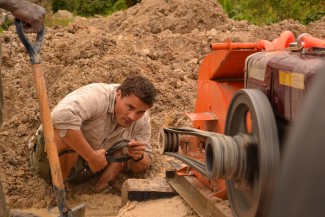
(310, 41)
(265, 44)
(284, 40)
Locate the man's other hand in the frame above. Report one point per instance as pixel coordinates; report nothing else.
(31, 14)
(136, 149)
(98, 161)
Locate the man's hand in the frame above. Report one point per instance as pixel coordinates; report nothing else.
(136, 149)
(31, 14)
(98, 161)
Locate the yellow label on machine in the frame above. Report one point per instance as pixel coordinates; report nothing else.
(292, 79)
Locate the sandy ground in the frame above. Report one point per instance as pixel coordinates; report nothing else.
(165, 40)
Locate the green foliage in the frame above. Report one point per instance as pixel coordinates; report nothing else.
(89, 7)
(6, 25)
(50, 22)
(60, 4)
(270, 11)
(131, 3)
(314, 15)
(118, 6)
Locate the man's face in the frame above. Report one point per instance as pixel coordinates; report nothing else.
(128, 109)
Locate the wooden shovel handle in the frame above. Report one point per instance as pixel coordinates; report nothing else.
(47, 126)
(34, 51)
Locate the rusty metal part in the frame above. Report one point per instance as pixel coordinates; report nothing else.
(195, 164)
(198, 196)
(169, 141)
(191, 152)
(249, 196)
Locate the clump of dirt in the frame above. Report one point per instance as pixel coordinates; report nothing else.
(164, 40)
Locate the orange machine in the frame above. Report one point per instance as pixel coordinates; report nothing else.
(247, 96)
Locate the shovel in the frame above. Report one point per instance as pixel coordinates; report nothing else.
(34, 51)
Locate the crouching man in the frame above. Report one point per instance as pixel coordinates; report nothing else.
(89, 120)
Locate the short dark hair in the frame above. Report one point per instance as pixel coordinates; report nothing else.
(140, 86)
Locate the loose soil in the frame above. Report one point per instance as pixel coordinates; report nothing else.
(165, 40)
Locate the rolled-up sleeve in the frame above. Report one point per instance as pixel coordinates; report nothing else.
(85, 103)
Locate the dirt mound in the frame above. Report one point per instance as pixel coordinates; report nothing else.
(153, 17)
(164, 40)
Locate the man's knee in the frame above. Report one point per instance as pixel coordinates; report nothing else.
(38, 160)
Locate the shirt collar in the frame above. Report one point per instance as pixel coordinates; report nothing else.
(112, 102)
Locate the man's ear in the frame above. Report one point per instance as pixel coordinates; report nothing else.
(118, 94)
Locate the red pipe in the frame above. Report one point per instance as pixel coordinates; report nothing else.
(230, 46)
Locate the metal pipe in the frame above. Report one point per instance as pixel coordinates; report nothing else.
(232, 46)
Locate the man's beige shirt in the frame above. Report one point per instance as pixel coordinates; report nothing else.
(91, 110)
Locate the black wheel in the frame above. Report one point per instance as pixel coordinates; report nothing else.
(250, 113)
